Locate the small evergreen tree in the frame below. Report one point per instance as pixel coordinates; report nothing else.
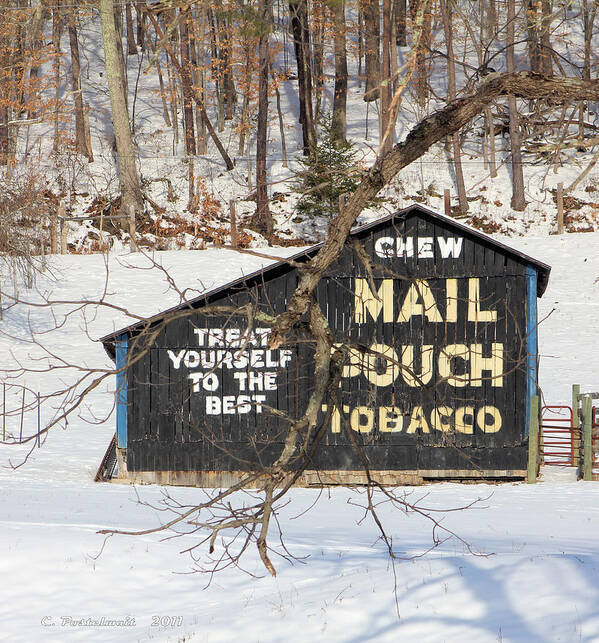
(330, 171)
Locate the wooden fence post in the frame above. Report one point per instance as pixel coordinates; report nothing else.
(576, 425)
(22, 415)
(587, 426)
(63, 228)
(132, 228)
(234, 239)
(15, 285)
(533, 439)
(39, 425)
(560, 208)
(447, 202)
(88, 137)
(54, 233)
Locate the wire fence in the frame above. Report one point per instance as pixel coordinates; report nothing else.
(21, 412)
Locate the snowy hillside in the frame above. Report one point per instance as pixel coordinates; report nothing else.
(536, 579)
(44, 172)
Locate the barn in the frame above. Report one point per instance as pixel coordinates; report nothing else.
(440, 325)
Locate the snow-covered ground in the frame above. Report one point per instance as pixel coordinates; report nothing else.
(537, 580)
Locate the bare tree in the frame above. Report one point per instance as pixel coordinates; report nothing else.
(263, 217)
(518, 201)
(80, 133)
(422, 13)
(546, 50)
(451, 94)
(225, 522)
(197, 93)
(372, 31)
(338, 123)
(386, 90)
(298, 12)
(131, 196)
(400, 14)
(184, 42)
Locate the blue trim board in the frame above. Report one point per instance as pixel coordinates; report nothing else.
(121, 391)
(531, 339)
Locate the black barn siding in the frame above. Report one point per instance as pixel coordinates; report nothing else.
(169, 430)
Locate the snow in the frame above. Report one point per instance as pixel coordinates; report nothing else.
(534, 577)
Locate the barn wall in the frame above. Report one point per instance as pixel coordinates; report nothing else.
(224, 424)
(396, 422)
(405, 416)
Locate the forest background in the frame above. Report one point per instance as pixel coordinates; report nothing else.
(177, 113)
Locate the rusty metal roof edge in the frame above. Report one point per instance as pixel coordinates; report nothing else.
(544, 268)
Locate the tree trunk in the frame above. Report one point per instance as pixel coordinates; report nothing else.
(338, 124)
(422, 51)
(244, 125)
(588, 20)
(451, 95)
(491, 20)
(217, 67)
(4, 138)
(281, 120)
(372, 36)
(318, 40)
(385, 135)
(263, 218)
(80, 138)
(118, 22)
(534, 56)
(223, 22)
(131, 46)
(4, 97)
(197, 60)
(141, 31)
(37, 43)
(298, 12)
(399, 13)
(57, 26)
(131, 195)
(491, 134)
(518, 201)
(190, 139)
(197, 96)
(545, 39)
(18, 60)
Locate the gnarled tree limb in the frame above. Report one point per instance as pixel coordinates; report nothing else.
(429, 131)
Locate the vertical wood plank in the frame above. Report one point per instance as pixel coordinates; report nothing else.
(576, 424)
(533, 440)
(587, 426)
(560, 208)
